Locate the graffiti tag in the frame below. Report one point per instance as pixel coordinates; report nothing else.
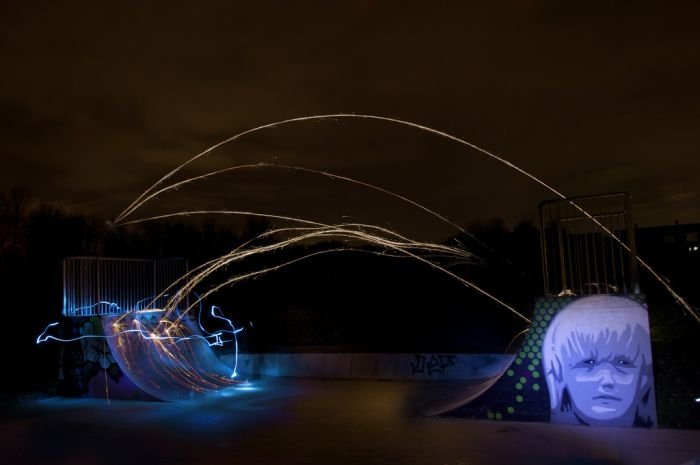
(437, 363)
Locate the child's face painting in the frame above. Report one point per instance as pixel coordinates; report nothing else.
(604, 377)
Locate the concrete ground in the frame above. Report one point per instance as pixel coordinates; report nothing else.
(295, 421)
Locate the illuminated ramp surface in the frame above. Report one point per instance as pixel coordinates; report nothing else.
(165, 355)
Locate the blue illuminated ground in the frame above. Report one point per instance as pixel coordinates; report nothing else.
(285, 421)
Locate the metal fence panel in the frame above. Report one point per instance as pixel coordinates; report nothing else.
(95, 286)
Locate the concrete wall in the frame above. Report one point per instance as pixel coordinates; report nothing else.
(415, 366)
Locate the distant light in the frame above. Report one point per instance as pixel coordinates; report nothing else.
(697, 399)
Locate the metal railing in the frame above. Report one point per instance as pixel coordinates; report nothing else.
(94, 286)
(578, 256)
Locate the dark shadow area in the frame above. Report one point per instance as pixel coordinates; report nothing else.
(672, 252)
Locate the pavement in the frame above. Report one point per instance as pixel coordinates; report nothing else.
(303, 421)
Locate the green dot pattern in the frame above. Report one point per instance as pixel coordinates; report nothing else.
(524, 377)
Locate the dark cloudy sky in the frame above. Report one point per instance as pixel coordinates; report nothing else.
(98, 99)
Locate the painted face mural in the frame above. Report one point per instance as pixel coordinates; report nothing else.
(597, 360)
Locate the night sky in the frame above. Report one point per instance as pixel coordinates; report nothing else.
(98, 100)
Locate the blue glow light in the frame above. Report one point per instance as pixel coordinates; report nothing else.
(175, 369)
(113, 307)
(211, 338)
(218, 341)
(234, 331)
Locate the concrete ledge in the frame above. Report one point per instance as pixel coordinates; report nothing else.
(414, 366)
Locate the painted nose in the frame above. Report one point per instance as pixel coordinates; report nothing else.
(606, 379)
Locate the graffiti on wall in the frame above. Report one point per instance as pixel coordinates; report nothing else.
(97, 358)
(584, 361)
(436, 363)
(89, 368)
(597, 362)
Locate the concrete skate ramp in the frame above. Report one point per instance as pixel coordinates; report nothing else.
(440, 381)
(440, 397)
(165, 356)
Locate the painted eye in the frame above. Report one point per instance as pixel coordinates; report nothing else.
(586, 363)
(623, 362)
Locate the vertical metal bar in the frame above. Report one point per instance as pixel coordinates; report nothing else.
(632, 244)
(595, 256)
(579, 260)
(155, 290)
(560, 243)
(82, 290)
(98, 283)
(613, 247)
(65, 297)
(603, 238)
(613, 266)
(543, 251)
(621, 257)
(187, 271)
(570, 258)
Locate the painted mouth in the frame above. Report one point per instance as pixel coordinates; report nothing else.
(607, 397)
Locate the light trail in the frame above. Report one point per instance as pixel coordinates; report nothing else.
(166, 357)
(163, 344)
(148, 335)
(327, 174)
(351, 231)
(139, 200)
